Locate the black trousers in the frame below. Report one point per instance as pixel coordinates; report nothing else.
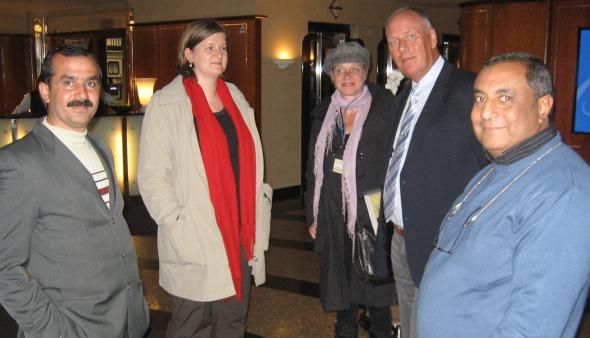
(224, 318)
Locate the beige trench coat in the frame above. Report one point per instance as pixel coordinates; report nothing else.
(173, 185)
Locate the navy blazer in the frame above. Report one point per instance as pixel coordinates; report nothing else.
(442, 157)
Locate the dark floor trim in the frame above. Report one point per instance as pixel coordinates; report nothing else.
(285, 217)
(292, 285)
(286, 193)
(291, 244)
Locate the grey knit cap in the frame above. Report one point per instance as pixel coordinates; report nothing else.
(346, 52)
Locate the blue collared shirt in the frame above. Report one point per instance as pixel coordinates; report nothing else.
(522, 269)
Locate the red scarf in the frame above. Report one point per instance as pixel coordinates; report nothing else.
(218, 167)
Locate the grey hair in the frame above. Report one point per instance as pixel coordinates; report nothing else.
(538, 76)
(422, 14)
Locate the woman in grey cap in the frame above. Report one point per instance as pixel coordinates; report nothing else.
(348, 160)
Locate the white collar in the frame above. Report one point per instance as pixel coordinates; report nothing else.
(428, 80)
(69, 137)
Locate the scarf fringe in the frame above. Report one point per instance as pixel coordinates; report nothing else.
(323, 147)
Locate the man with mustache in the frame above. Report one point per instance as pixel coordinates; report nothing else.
(67, 265)
(80, 103)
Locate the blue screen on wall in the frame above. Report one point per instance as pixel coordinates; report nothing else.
(582, 112)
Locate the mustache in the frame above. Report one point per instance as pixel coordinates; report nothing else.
(76, 103)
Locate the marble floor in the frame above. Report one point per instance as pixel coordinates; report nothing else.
(286, 306)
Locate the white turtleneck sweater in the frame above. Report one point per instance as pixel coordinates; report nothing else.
(79, 145)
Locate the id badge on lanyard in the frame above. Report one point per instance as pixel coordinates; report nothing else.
(338, 163)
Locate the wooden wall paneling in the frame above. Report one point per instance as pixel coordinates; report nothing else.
(243, 68)
(3, 55)
(237, 49)
(168, 39)
(3, 110)
(567, 18)
(154, 53)
(145, 53)
(476, 36)
(17, 74)
(255, 41)
(520, 26)
(144, 57)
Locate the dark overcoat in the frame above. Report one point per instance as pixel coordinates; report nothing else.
(339, 286)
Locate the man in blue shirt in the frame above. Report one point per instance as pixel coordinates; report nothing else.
(512, 256)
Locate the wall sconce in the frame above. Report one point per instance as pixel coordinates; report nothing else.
(284, 60)
(283, 63)
(145, 89)
(37, 27)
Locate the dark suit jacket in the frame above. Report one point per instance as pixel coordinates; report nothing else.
(67, 266)
(442, 157)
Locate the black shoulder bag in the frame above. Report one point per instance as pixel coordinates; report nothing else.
(372, 259)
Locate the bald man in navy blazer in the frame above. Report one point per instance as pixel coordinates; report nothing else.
(438, 153)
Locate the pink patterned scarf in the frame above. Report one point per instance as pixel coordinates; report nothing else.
(323, 145)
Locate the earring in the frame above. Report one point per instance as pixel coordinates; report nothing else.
(191, 65)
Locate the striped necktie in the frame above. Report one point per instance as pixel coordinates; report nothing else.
(395, 162)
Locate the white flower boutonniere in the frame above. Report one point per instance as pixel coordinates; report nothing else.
(393, 80)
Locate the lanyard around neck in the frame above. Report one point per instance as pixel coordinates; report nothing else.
(481, 209)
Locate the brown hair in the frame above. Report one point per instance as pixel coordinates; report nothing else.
(193, 34)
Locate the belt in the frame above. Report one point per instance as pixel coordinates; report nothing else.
(397, 229)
